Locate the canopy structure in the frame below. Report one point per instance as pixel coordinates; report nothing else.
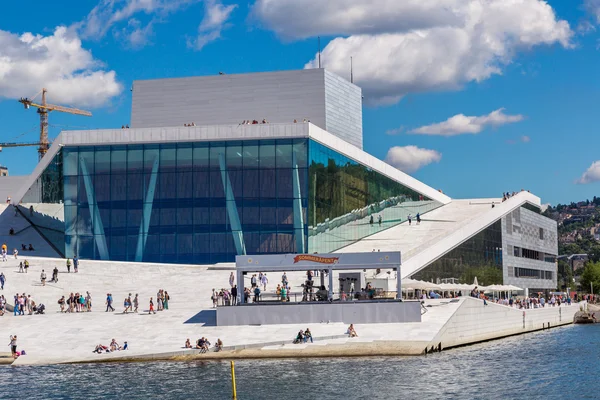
(329, 262)
(419, 285)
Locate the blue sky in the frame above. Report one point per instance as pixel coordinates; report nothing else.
(515, 80)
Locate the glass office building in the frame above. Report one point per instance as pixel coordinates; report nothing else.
(206, 202)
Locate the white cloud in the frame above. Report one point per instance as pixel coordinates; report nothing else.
(215, 20)
(57, 62)
(407, 46)
(592, 174)
(525, 139)
(135, 34)
(410, 158)
(395, 131)
(109, 13)
(461, 124)
(592, 7)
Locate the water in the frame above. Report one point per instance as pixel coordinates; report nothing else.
(560, 363)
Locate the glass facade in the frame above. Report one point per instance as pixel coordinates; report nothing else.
(480, 256)
(347, 199)
(42, 205)
(206, 202)
(187, 202)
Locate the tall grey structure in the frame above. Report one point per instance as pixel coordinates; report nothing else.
(327, 100)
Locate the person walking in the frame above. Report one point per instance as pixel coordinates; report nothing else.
(234, 294)
(166, 300)
(68, 265)
(43, 278)
(109, 301)
(26, 265)
(55, 275)
(13, 345)
(418, 219)
(21, 266)
(136, 303)
(75, 264)
(151, 310)
(379, 219)
(409, 219)
(264, 280)
(88, 301)
(15, 253)
(2, 280)
(3, 254)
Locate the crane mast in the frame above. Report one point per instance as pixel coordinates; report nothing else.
(43, 109)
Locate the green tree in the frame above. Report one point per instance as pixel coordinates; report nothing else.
(594, 253)
(591, 275)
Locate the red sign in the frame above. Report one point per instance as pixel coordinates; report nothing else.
(317, 259)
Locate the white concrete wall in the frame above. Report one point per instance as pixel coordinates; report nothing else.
(343, 109)
(473, 322)
(227, 99)
(521, 228)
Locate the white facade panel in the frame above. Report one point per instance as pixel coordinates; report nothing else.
(525, 229)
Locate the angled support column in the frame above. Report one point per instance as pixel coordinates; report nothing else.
(234, 218)
(97, 226)
(298, 217)
(330, 284)
(147, 211)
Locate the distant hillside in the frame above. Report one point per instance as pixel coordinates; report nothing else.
(578, 225)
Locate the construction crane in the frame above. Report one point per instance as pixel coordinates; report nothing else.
(3, 145)
(43, 110)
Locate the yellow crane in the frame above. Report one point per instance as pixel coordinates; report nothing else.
(43, 109)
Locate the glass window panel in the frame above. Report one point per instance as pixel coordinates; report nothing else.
(185, 216)
(236, 178)
(218, 219)
(201, 243)
(86, 158)
(216, 187)
(119, 217)
(202, 184)
(86, 247)
(251, 183)
(234, 156)
(135, 160)
(166, 186)
(168, 218)
(102, 160)
(216, 149)
(118, 187)
(70, 183)
(118, 246)
(268, 186)
(185, 185)
(102, 188)
(284, 154)
(118, 160)
(71, 161)
(285, 187)
(201, 156)
(168, 244)
(168, 159)
(134, 219)
(300, 147)
(70, 220)
(185, 244)
(250, 155)
(152, 158)
(267, 155)
(185, 157)
(135, 187)
(81, 189)
(202, 219)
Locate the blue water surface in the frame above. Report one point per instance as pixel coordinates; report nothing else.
(561, 363)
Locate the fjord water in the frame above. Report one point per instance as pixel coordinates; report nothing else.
(559, 363)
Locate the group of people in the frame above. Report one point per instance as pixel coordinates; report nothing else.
(27, 248)
(24, 304)
(417, 217)
(191, 124)
(113, 346)
(203, 344)
(224, 297)
(379, 220)
(508, 195)
(303, 336)
(76, 303)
